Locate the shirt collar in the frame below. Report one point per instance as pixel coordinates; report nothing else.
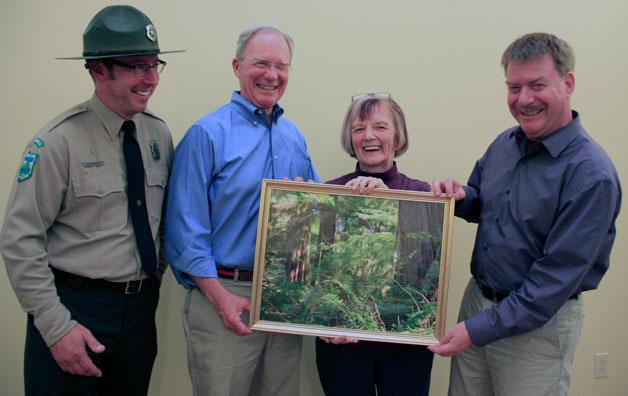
(557, 141)
(110, 120)
(385, 176)
(252, 112)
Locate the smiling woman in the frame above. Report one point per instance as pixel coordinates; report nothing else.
(374, 131)
(373, 140)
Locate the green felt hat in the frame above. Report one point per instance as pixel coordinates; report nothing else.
(119, 30)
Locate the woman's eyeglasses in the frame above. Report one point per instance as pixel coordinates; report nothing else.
(374, 95)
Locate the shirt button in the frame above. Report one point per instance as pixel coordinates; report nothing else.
(138, 202)
(101, 190)
(254, 122)
(276, 156)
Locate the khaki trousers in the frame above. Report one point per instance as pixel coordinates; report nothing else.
(223, 364)
(532, 364)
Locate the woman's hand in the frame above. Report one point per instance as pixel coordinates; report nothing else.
(364, 184)
(339, 340)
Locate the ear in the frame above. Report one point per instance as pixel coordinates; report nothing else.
(98, 71)
(235, 64)
(570, 83)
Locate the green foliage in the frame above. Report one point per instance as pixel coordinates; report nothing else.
(356, 284)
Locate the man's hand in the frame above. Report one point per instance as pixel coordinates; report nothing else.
(228, 305)
(454, 342)
(70, 354)
(448, 186)
(365, 184)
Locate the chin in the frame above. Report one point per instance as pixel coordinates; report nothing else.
(268, 101)
(140, 107)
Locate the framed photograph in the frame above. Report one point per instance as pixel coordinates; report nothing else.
(331, 262)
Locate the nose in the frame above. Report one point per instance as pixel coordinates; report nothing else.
(271, 73)
(368, 133)
(526, 96)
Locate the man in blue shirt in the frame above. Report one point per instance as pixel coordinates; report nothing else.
(211, 223)
(545, 196)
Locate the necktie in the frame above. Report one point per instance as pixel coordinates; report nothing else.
(137, 198)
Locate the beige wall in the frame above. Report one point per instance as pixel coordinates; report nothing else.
(440, 60)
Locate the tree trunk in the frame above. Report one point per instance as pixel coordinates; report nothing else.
(298, 240)
(327, 232)
(416, 250)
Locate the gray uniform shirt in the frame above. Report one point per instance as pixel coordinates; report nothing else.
(68, 207)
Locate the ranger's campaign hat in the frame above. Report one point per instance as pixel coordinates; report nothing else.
(119, 30)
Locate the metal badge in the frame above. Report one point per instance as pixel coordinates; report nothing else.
(154, 150)
(151, 33)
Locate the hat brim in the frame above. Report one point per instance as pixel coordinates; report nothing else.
(119, 55)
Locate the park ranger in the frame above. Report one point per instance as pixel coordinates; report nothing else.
(81, 234)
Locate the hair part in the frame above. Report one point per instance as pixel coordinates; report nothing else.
(362, 109)
(248, 33)
(532, 46)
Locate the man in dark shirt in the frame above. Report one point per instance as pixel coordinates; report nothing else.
(545, 196)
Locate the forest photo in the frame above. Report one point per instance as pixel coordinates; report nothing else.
(340, 261)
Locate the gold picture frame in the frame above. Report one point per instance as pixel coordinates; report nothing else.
(331, 262)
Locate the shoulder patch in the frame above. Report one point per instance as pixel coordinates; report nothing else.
(28, 166)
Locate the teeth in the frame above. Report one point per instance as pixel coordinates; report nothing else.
(530, 111)
(266, 87)
(147, 92)
(371, 148)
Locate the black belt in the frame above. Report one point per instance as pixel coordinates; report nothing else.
(491, 294)
(235, 274)
(496, 296)
(81, 282)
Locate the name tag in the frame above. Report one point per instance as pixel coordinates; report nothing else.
(93, 164)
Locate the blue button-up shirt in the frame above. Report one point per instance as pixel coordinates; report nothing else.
(546, 225)
(215, 185)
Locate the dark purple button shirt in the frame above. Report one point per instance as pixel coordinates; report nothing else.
(546, 225)
(391, 178)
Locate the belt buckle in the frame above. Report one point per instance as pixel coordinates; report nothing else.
(133, 287)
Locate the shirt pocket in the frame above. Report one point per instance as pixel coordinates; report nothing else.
(100, 202)
(300, 166)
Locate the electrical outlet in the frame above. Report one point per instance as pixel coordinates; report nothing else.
(601, 365)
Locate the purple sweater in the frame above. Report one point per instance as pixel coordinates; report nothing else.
(391, 178)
